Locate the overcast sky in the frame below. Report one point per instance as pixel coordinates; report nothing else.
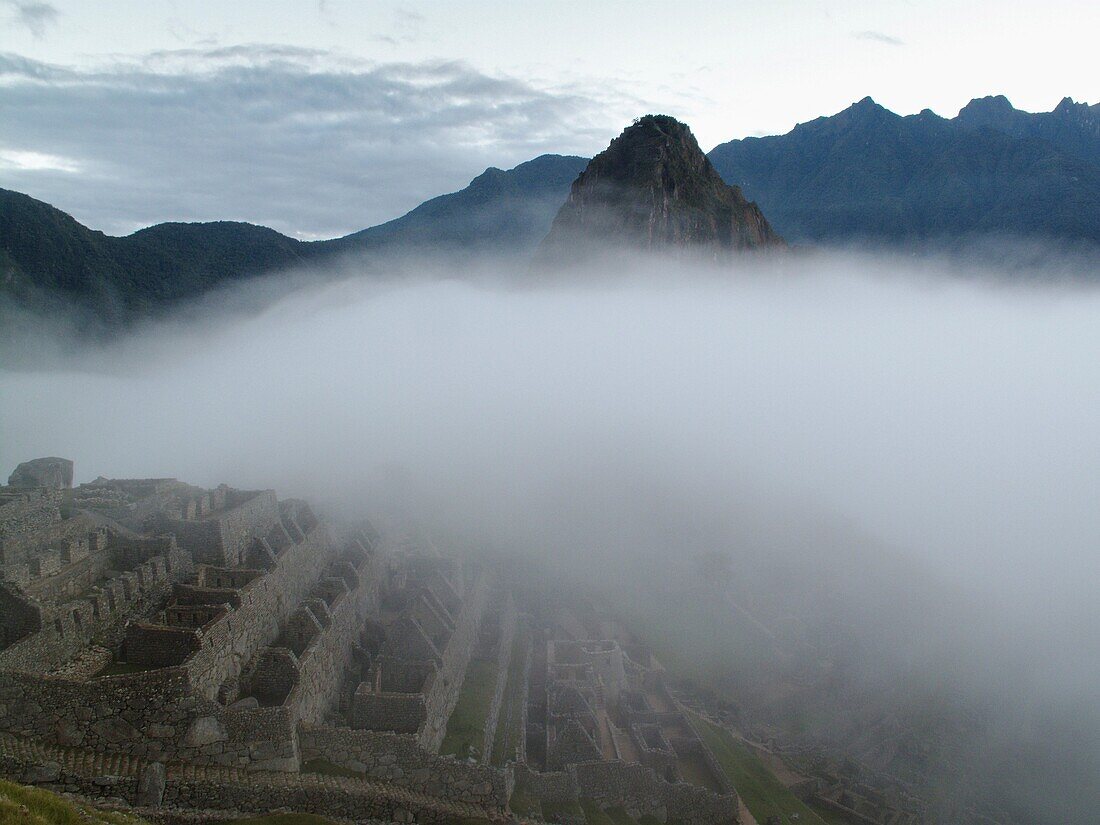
(320, 118)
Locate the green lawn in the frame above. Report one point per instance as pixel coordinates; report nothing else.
(523, 804)
(551, 811)
(593, 815)
(506, 738)
(30, 806)
(764, 795)
(283, 819)
(832, 817)
(466, 727)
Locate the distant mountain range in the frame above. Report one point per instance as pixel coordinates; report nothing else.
(865, 175)
(46, 256)
(869, 175)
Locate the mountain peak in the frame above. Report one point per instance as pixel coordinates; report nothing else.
(993, 112)
(653, 188)
(989, 103)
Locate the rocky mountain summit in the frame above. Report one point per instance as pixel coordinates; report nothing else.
(654, 189)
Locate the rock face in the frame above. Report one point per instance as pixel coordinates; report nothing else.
(43, 472)
(653, 188)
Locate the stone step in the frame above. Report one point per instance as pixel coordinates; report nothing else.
(93, 763)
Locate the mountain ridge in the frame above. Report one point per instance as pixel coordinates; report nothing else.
(862, 175)
(47, 257)
(867, 174)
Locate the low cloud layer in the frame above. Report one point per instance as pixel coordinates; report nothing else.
(256, 132)
(953, 419)
(872, 444)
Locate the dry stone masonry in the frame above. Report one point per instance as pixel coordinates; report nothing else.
(168, 645)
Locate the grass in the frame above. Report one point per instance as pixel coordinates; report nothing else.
(466, 727)
(764, 795)
(594, 815)
(506, 738)
(695, 770)
(552, 811)
(524, 804)
(32, 806)
(282, 819)
(830, 816)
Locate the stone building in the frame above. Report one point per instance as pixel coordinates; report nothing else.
(148, 622)
(223, 649)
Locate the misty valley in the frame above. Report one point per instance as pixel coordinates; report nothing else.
(751, 487)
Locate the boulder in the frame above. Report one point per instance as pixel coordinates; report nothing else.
(43, 472)
(205, 730)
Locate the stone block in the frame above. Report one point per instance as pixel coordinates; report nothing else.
(151, 785)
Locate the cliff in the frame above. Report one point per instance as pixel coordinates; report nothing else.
(654, 189)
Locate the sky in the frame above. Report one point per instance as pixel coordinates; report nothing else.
(321, 118)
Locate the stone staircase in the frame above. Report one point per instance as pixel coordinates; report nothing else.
(93, 764)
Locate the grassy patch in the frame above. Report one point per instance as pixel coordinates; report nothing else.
(523, 804)
(594, 815)
(31, 806)
(506, 738)
(552, 811)
(830, 816)
(466, 727)
(283, 819)
(764, 795)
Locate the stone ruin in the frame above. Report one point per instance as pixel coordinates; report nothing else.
(174, 646)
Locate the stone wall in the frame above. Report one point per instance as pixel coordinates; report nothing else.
(521, 747)
(152, 715)
(171, 712)
(100, 616)
(222, 538)
(397, 712)
(322, 664)
(175, 786)
(19, 616)
(447, 685)
(154, 646)
(505, 642)
(252, 517)
(24, 510)
(265, 604)
(638, 790)
(398, 759)
(550, 786)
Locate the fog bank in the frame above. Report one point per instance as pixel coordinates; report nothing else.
(954, 421)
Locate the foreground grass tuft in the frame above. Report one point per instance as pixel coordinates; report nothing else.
(20, 805)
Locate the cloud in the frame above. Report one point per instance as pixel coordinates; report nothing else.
(879, 37)
(407, 27)
(34, 15)
(900, 463)
(303, 140)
